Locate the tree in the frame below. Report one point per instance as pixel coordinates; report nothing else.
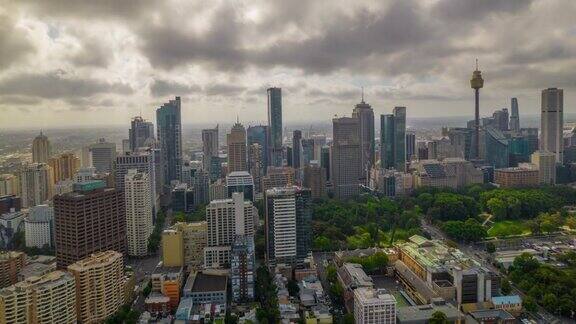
(438, 317)
(490, 247)
(322, 243)
(506, 287)
(348, 318)
(497, 208)
(529, 304)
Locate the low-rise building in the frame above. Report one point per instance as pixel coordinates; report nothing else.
(421, 314)
(517, 177)
(205, 288)
(352, 276)
(511, 304)
(168, 281)
(374, 306)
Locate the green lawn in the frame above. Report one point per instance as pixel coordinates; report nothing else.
(508, 228)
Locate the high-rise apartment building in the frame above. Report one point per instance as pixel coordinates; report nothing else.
(287, 224)
(545, 162)
(169, 132)
(64, 166)
(36, 184)
(278, 177)
(552, 122)
(142, 161)
(236, 141)
(210, 146)
(183, 245)
(374, 306)
(11, 262)
(226, 218)
(103, 155)
(141, 133)
(89, 220)
(50, 298)
(41, 149)
(99, 285)
(345, 166)
(139, 225)
(514, 116)
(393, 140)
(365, 115)
(275, 125)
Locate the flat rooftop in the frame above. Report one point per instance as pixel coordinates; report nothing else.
(208, 283)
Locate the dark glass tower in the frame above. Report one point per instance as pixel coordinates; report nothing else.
(169, 124)
(275, 125)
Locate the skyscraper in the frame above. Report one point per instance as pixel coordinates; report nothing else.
(64, 166)
(476, 83)
(256, 165)
(514, 116)
(296, 148)
(410, 146)
(90, 219)
(501, 119)
(315, 179)
(103, 155)
(240, 181)
(209, 146)
(99, 286)
(259, 134)
(40, 149)
(137, 195)
(141, 161)
(275, 125)
(169, 131)
(36, 184)
(365, 115)
(141, 133)
(545, 162)
(393, 140)
(552, 122)
(236, 141)
(346, 168)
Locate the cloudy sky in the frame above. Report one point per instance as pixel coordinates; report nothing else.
(68, 62)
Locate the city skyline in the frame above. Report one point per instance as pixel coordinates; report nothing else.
(61, 71)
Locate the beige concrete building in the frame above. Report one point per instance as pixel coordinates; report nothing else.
(139, 225)
(64, 166)
(517, 177)
(183, 245)
(450, 172)
(99, 286)
(545, 162)
(9, 185)
(36, 184)
(236, 141)
(374, 306)
(50, 298)
(40, 149)
(11, 262)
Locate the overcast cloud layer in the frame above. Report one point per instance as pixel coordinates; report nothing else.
(67, 62)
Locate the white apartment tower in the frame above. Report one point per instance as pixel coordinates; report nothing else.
(227, 218)
(280, 225)
(137, 193)
(373, 306)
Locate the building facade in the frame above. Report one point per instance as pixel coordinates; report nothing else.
(169, 132)
(36, 184)
(236, 141)
(103, 155)
(40, 149)
(39, 227)
(99, 286)
(552, 122)
(346, 168)
(139, 225)
(275, 125)
(89, 220)
(365, 115)
(374, 306)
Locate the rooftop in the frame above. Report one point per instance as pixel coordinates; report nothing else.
(422, 313)
(201, 282)
(434, 253)
(507, 300)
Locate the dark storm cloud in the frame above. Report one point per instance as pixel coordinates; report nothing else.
(55, 85)
(14, 45)
(92, 54)
(18, 100)
(163, 88)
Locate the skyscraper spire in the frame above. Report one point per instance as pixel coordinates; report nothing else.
(476, 83)
(362, 94)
